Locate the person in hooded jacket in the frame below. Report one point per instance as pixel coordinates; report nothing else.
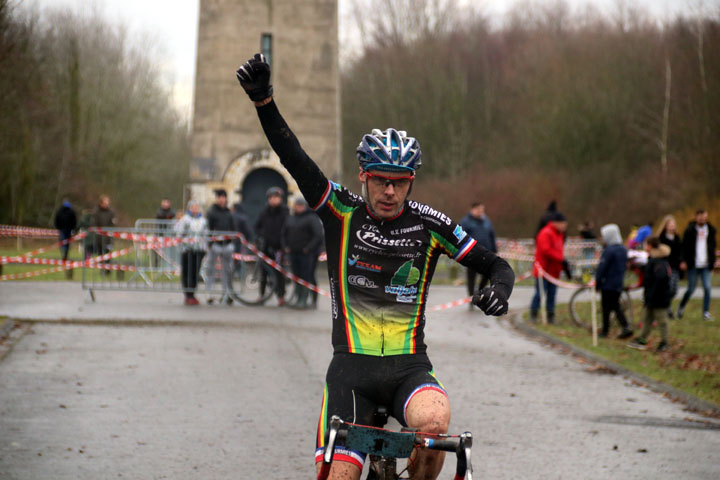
(268, 230)
(609, 278)
(699, 245)
(302, 236)
(220, 219)
(656, 296)
(65, 222)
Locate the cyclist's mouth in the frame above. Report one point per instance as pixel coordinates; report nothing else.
(387, 206)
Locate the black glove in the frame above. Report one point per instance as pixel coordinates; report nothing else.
(491, 301)
(254, 76)
(566, 269)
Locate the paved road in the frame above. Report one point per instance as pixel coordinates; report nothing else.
(145, 388)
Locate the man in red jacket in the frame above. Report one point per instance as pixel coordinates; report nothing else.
(549, 255)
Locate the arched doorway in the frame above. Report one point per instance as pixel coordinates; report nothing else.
(254, 187)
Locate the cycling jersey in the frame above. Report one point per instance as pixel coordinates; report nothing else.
(379, 270)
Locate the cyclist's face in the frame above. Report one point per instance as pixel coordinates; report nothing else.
(386, 191)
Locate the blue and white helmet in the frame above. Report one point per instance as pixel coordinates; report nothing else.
(389, 150)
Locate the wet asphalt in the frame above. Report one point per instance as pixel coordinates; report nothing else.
(135, 385)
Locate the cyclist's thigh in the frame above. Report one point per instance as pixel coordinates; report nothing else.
(342, 471)
(418, 389)
(343, 397)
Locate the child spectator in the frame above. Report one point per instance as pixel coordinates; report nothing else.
(609, 279)
(658, 286)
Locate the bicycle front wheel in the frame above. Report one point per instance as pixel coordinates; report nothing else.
(581, 307)
(253, 282)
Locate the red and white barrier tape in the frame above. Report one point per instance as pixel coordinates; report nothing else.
(18, 231)
(560, 283)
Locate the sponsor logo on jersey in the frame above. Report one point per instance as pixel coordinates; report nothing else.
(402, 231)
(429, 211)
(459, 233)
(361, 281)
(354, 261)
(403, 281)
(374, 240)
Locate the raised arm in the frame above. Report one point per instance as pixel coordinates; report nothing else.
(254, 76)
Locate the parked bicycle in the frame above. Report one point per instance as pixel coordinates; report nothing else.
(384, 447)
(581, 301)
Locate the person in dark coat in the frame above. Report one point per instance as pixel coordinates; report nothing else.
(220, 219)
(103, 216)
(609, 278)
(65, 222)
(699, 245)
(268, 230)
(302, 236)
(668, 235)
(165, 212)
(545, 218)
(656, 297)
(477, 224)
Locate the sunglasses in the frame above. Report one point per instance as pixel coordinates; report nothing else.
(382, 181)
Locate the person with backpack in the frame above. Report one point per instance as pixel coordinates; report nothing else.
(657, 295)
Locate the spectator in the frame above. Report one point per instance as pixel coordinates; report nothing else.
(103, 216)
(477, 224)
(268, 229)
(656, 297)
(667, 234)
(587, 230)
(609, 279)
(302, 236)
(549, 256)
(313, 269)
(587, 233)
(642, 233)
(546, 216)
(219, 219)
(165, 212)
(192, 226)
(65, 222)
(699, 244)
(242, 225)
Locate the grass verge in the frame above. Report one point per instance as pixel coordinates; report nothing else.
(692, 364)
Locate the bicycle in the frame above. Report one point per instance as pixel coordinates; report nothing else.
(253, 280)
(384, 447)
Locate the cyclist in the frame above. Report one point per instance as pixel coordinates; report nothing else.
(382, 250)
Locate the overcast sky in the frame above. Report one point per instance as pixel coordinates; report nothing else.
(178, 30)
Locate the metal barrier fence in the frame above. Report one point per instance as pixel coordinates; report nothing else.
(155, 259)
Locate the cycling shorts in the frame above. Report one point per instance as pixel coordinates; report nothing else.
(356, 384)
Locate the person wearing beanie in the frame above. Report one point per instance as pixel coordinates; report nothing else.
(657, 282)
(609, 279)
(549, 255)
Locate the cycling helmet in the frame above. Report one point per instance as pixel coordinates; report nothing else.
(389, 150)
(274, 191)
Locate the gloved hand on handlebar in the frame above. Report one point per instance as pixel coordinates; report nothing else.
(567, 269)
(254, 76)
(491, 301)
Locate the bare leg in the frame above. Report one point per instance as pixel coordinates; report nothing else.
(342, 471)
(428, 411)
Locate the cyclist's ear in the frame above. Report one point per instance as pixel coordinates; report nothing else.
(362, 176)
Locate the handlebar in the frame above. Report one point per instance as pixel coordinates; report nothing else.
(397, 442)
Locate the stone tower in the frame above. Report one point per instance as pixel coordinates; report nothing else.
(300, 39)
